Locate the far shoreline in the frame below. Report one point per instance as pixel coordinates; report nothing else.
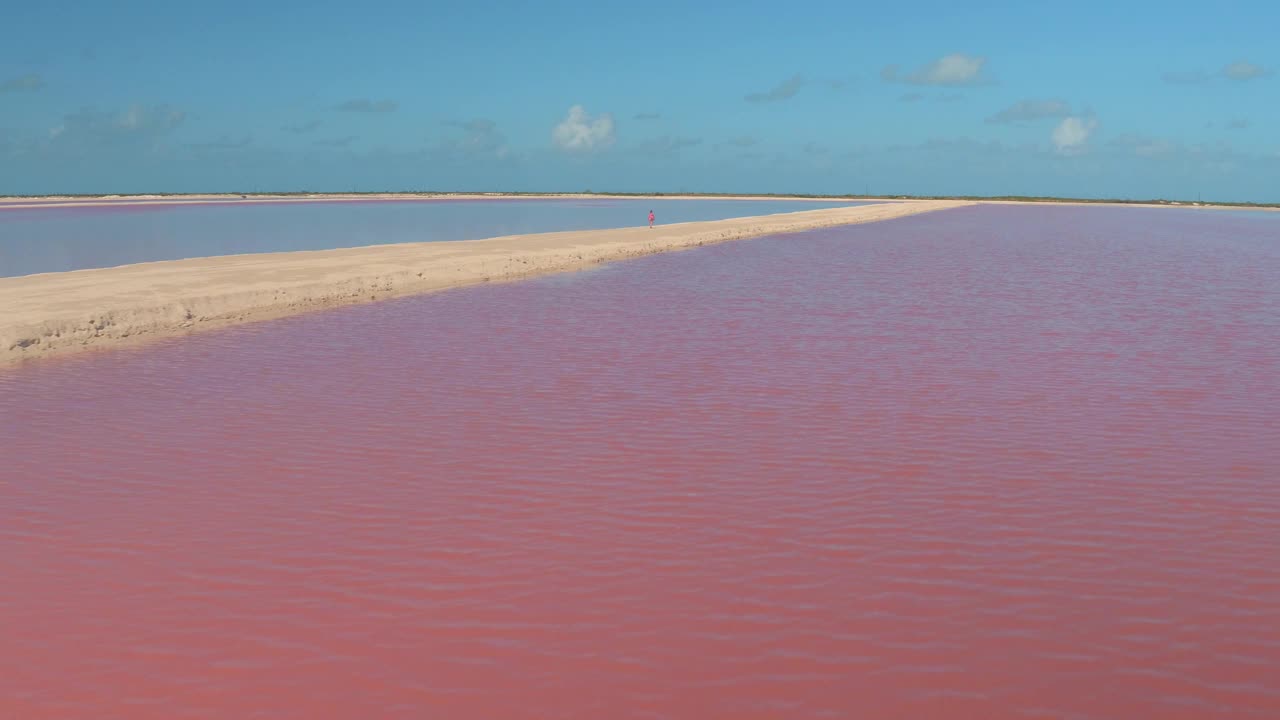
(17, 202)
(71, 201)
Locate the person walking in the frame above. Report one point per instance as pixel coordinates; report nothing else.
(650, 219)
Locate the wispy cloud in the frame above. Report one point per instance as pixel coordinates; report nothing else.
(224, 142)
(22, 83)
(581, 132)
(1192, 77)
(302, 128)
(483, 125)
(364, 105)
(1238, 124)
(784, 90)
(1144, 146)
(742, 141)
(338, 142)
(91, 128)
(667, 145)
(954, 70)
(1159, 159)
(1071, 136)
(480, 138)
(1025, 111)
(647, 116)
(915, 97)
(1241, 70)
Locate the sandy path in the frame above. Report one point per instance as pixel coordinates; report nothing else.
(53, 313)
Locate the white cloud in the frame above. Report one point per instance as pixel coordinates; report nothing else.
(956, 69)
(1072, 134)
(580, 132)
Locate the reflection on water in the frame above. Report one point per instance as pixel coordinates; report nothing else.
(985, 463)
(53, 239)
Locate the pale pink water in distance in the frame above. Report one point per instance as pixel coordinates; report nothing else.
(988, 463)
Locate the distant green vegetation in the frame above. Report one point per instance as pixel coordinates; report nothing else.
(415, 193)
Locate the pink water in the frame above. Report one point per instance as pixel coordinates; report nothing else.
(987, 463)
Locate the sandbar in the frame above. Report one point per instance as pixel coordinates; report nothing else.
(55, 313)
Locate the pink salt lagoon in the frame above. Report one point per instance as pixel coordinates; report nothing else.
(994, 462)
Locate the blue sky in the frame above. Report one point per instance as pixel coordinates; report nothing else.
(1132, 99)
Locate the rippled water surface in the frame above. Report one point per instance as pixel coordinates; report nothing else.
(54, 239)
(986, 463)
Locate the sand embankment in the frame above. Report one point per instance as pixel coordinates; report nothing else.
(47, 314)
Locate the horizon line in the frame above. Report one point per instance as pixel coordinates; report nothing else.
(656, 194)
